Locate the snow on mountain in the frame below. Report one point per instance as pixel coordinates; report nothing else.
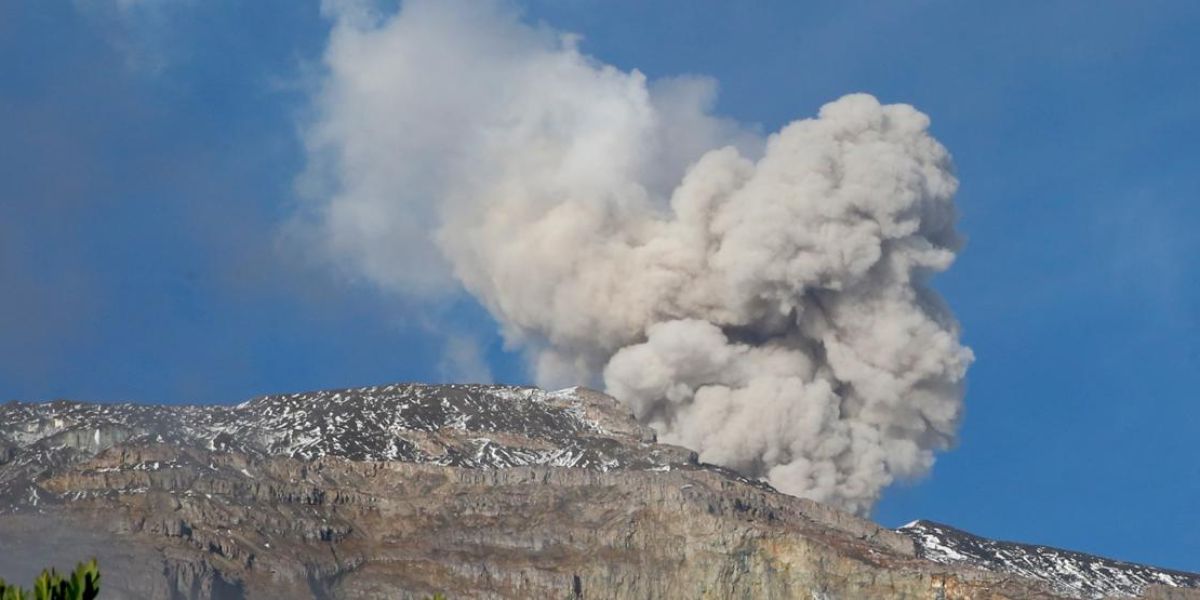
(1074, 574)
(470, 426)
(474, 426)
(479, 426)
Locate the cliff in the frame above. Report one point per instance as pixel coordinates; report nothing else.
(472, 491)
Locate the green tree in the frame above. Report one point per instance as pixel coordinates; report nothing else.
(83, 584)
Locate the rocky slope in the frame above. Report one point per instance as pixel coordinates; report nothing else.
(473, 491)
(1070, 573)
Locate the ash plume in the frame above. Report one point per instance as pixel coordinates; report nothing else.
(762, 300)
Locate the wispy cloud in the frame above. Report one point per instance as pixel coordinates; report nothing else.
(141, 30)
(464, 360)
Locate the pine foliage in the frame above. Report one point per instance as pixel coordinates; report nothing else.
(82, 584)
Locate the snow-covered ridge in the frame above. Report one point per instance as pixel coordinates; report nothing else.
(469, 426)
(474, 426)
(1070, 573)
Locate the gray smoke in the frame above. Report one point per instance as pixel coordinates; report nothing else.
(763, 301)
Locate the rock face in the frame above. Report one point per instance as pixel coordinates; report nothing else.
(472, 491)
(1070, 573)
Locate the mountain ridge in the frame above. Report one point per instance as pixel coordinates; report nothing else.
(476, 491)
(1071, 571)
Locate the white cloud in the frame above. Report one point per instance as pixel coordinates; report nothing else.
(761, 300)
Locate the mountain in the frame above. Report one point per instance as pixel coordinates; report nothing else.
(402, 491)
(1070, 573)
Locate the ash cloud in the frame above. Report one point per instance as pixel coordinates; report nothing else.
(763, 300)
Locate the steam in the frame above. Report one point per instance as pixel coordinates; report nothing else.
(763, 301)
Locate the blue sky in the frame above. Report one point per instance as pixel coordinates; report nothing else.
(150, 151)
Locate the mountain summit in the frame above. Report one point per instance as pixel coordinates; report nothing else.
(402, 491)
